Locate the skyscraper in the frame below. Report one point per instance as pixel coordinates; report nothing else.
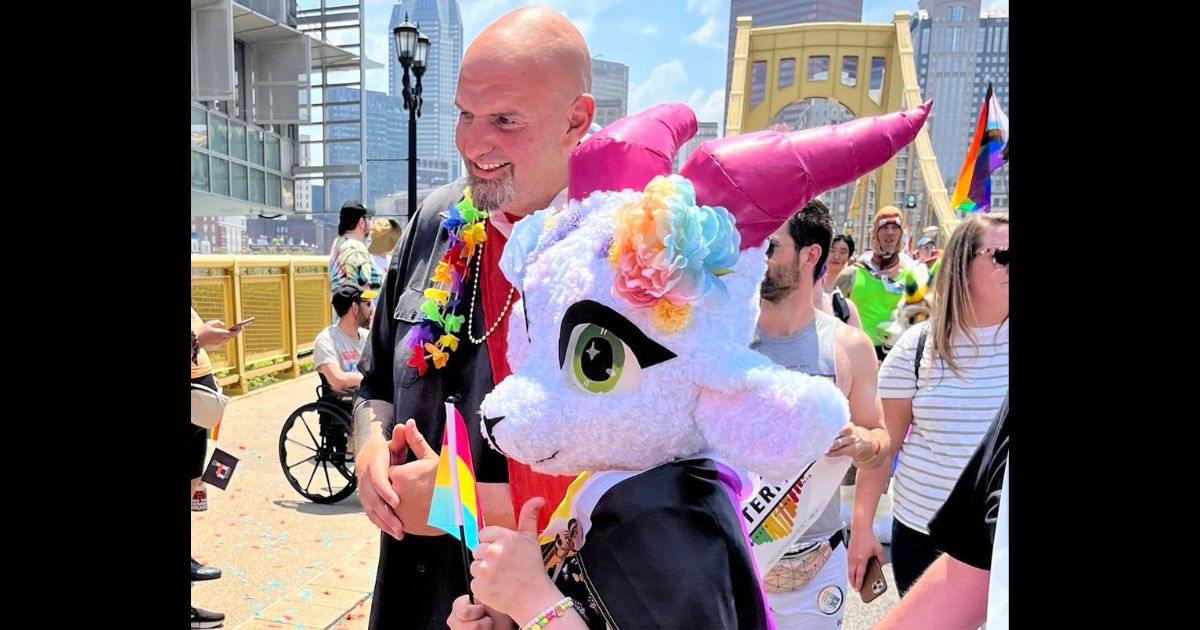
(387, 130)
(991, 66)
(610, 88)
(957, 52)
(441, 22)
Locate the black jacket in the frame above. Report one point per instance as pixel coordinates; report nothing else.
(419, 576)
(666, 549)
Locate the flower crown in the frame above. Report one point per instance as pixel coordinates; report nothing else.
(669, 252)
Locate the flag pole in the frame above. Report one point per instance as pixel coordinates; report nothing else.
(462, 542)
(452, 444)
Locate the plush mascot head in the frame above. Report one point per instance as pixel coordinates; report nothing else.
(630, 346)
(915, 307)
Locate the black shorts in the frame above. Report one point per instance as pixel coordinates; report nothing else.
(198, 441)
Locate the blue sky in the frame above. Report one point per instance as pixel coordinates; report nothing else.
(675, 49)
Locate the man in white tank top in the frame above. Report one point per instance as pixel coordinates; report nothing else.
(807, 587)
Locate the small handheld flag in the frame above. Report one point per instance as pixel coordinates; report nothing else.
(455, 506)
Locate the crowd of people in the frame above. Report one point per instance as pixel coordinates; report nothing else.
(927, 402)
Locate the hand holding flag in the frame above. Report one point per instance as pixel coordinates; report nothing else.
(454, 507)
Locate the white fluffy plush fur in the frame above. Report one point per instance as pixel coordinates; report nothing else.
(716, 393)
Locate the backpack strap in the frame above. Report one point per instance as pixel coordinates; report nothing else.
(840, 308)
(920, 351)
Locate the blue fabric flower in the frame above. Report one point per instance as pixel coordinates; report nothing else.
(524, 238)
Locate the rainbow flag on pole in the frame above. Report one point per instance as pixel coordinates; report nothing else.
(455, 506)
(973, 192)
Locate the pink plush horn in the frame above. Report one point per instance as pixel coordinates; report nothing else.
(762, 178)
(631, 151)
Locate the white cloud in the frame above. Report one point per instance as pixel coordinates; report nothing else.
(667, 82)
(582, 13)
(708, 35)
(706, 7)
(649, 30)
(584, 24)
(708, 108)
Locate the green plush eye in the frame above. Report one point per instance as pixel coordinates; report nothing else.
(600, 362)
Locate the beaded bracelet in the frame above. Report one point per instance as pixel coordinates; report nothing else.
(557, 610)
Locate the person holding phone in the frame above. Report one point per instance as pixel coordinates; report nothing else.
(947, 399)
(967, 585)
(806, 588)
(242, 324)
(211, 334)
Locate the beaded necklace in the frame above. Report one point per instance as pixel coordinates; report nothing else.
(434, 337)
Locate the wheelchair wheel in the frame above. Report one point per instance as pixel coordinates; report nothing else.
(315, 452)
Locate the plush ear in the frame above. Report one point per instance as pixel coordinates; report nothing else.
(768, 419)
(524, 238)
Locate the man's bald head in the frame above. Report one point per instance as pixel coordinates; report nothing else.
(524, 102)
(559, 58)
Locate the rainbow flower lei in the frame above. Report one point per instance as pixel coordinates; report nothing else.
(668, 252)
(435, 334)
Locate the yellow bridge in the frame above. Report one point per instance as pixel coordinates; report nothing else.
(868, 68)
(288, 296)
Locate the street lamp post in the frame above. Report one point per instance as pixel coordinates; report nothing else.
(412, 48)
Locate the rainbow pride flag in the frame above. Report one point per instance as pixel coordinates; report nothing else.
(215, 430)
(455, 506)
(973, 191)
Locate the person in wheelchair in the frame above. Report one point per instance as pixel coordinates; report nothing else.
(336, 352)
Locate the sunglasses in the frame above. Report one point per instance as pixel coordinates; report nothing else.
(999, 255)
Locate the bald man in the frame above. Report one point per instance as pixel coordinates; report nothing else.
(521, 110)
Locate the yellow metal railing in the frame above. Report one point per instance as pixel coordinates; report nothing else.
(287, 295)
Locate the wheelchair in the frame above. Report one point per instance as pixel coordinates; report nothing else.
(316, 448)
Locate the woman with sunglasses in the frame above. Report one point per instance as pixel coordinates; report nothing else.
(949, 400)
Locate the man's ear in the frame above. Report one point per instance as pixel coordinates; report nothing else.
(579, 118)
(812, 255)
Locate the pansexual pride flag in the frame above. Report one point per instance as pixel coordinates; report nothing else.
(455, 507)
(973, 192)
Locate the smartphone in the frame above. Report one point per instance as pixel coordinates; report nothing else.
(239, 325)
(873, 584)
